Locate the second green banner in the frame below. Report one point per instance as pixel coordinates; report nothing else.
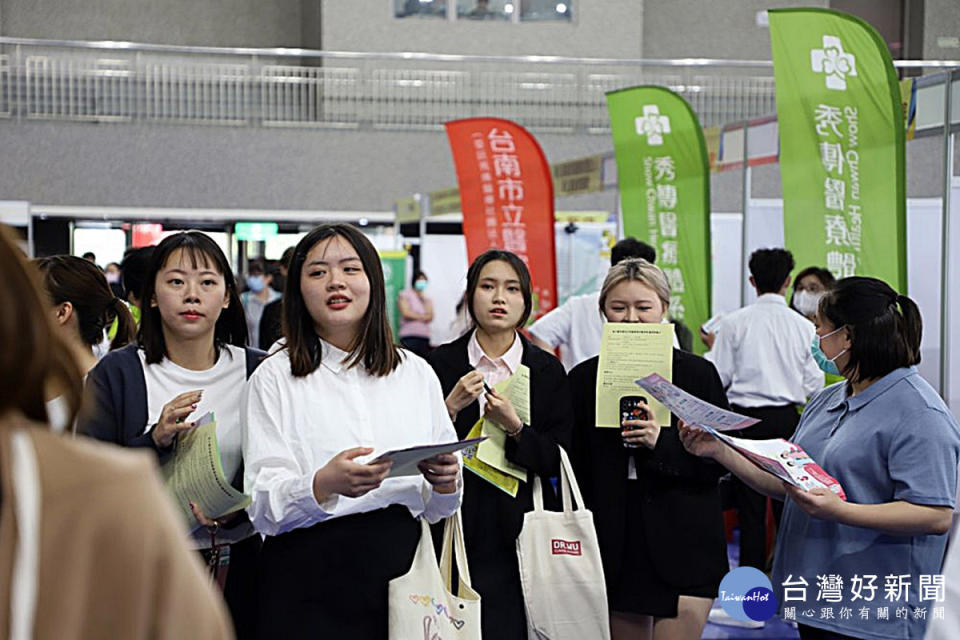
(664, 180)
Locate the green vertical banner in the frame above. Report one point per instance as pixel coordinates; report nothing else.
(663, 173)
(395, 279)
(841, 145)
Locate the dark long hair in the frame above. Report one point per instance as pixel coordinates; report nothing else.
(523, 275)
(373, 346)
(231, 327)
(83, 285)
(885, 327)
(32, 353)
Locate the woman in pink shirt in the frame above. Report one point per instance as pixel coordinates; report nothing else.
(416, 313)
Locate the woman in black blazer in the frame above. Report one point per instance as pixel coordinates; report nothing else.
(656, 507)
(499, 300)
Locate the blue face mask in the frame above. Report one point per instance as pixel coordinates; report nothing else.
(420, 285)
(255, 283)
(827, 365)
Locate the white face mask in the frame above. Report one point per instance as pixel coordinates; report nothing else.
(807, 302)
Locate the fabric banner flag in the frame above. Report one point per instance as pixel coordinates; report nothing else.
(506, 197)
(394, 265)
(841, 145)
(664, 177)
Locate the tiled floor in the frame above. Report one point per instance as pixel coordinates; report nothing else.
(775, 628)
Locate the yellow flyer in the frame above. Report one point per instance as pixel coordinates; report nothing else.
(493, 450)
(629, 351)
(194, 474)
(502, 481)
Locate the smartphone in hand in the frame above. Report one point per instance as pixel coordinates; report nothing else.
(630, 409)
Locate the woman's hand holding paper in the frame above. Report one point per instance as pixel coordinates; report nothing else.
(441, 471)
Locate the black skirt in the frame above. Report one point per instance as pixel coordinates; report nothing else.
(330, 580)
(638, 587)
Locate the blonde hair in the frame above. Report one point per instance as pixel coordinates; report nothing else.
(640, 270)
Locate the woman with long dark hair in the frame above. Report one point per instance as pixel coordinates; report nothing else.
(892, 444)
(337, 528)
(83, 306)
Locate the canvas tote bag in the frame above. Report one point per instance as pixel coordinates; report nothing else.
(422, 603)
(563, 587)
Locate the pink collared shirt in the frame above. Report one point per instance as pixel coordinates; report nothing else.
(494, 371)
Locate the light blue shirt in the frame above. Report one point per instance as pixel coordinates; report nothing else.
(894, 441)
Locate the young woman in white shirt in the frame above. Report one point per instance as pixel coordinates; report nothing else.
(190, 359)
(337, 394)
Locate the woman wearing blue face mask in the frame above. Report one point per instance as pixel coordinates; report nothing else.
(893, 445)
(258, 295)
(416, 313)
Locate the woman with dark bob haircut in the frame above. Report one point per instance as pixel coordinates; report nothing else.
(498, 298)
(892, 444)
(337, 529)
(190, 358)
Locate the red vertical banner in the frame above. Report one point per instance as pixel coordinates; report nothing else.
(506, 196)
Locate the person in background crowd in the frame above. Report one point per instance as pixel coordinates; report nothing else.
(270, 321)
(889, 440)
(258, 295)
(416, 314)
(808, 287)
(762, 353)
(112, 274)
(90, 256)
(92, 545)
(82, 305)
(190, 359)
(336, 529)
(656, 507)
(499, 300)
(576, 326)
(133, 274)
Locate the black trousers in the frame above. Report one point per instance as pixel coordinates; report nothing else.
(776, 422)
(330, 580)
(420, 346)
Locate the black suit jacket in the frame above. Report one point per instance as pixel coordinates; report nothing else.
(680, 507)
(492, 519)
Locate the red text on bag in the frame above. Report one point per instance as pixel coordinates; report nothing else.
(566, 547)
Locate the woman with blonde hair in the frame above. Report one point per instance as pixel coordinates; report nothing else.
(90, 543)
(656, 507)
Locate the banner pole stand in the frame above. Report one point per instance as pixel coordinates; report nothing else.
(424, 201)
(948, 144)
(744, 254)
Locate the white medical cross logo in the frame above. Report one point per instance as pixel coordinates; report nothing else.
(652, 124)
(833, 61)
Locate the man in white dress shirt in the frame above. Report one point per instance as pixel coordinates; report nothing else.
(762, 353)
(576, 326)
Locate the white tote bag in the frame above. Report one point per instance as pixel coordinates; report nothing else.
(422, 603)
(560, 568)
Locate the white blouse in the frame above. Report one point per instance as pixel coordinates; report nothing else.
(294, 426)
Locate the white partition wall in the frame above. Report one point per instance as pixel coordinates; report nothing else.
(444, 259)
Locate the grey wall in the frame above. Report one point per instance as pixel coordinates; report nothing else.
(941, 18)
(714, 29)
(184, 166)
(601, 28)
(252, 23)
